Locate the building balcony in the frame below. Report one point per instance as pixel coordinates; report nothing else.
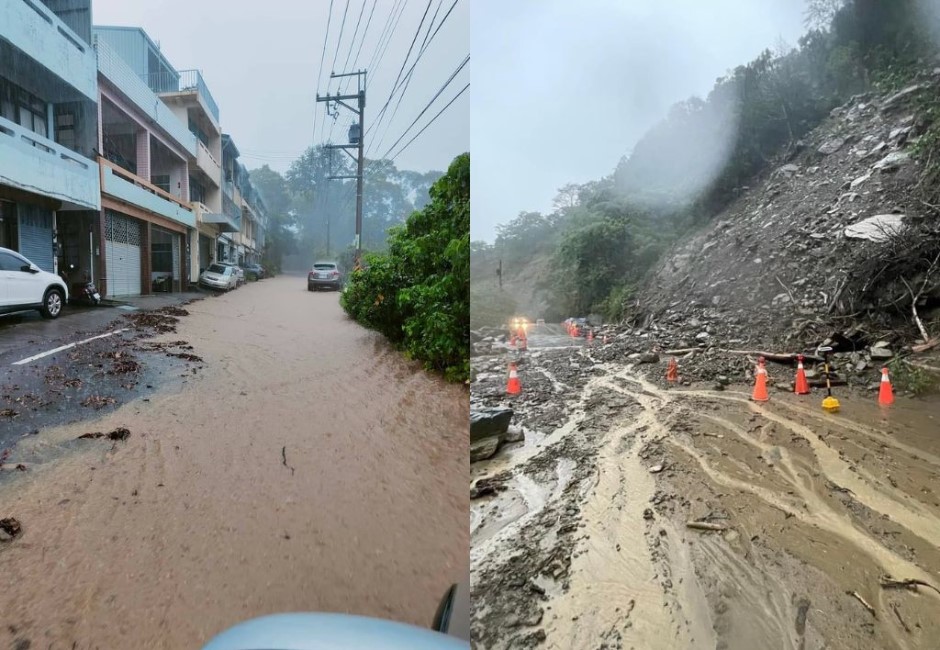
(121, 184)
(186, 82)
(33, 29)
(36, 164)
(208, 164)
(223, 222)
(122, 77)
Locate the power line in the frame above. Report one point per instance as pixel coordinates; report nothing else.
(420, 54)
(431, 122)
(433, 99)
(352, 43)
(382, 34)
(339, 40)
(326, 37)
(366, 30)
(407, 80)
(403, 64)
(333, 65)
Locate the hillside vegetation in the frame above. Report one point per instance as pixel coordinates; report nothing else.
(716, 161)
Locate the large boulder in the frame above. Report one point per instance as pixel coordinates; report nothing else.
(483, 448)
(486, 422)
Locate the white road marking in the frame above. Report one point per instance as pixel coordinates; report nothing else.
(66, 347)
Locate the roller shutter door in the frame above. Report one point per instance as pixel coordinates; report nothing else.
(35, 226)
(122, 248)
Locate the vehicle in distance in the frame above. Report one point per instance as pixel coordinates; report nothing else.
(324, 275)
(25, 286)
(257, 269)
(219, 276)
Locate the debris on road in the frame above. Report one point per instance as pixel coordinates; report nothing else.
(98, 402)
(10, 528)
(120, 433)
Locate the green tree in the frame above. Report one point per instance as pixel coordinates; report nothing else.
(418, 293)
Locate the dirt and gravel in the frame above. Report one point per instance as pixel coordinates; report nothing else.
(642, 514)
(305, 466)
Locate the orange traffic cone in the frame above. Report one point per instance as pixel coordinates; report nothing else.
(672, 370)
(760, 383)
(802, 386)
(885, 394)
(514, 386)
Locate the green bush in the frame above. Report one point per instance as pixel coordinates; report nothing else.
(418, 293)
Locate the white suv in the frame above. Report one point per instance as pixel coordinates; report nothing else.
(23, 286)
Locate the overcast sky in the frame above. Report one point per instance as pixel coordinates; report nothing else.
(260, 61)
(562, 89)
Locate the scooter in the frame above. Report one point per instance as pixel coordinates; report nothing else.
(84, 291)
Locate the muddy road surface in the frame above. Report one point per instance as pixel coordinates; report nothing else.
(806, 528)
(306, 466)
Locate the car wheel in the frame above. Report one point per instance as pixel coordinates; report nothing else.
(52, 303)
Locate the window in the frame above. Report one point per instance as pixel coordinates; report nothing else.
(162, 181)
(10, 262)
(24, 108)
(66, 121)
(196, 191)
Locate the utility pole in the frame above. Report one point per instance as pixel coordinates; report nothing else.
(499, 273)
(356, 138)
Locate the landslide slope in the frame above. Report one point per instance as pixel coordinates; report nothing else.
(780, 264)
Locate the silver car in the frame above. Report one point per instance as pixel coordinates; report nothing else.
(219, 276)
(324, 275)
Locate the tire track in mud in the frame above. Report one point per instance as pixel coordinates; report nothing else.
(653, 584)
(808, 506)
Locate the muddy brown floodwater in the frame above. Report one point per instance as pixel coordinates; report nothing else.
(809, 517)
(308, 468)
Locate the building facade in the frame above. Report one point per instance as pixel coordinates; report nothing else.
(113, 164)
(49, 180)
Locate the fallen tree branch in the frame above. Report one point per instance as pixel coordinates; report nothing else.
(706, 525)
(917, 320)
(785, 357)
(675, 353)
(837, 295)
(284, 460)
(909, 583)
(900, 620)
(858, 597)
(923, 347)
(785, 288)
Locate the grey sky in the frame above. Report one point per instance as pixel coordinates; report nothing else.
(562, 89)
(260, 61)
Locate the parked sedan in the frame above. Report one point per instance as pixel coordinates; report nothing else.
(237, 270)
(324, 275)
(257, 269)
(24, 286)
(219, 276)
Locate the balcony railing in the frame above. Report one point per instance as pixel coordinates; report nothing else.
(113, 68)
(207, 162)
(32, 28)
(124, 185)
(37, 164)
(183, 82)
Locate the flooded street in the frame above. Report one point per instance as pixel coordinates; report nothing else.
(664, 517)
(308, 467)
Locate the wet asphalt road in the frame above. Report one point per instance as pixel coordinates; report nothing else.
(302, 465)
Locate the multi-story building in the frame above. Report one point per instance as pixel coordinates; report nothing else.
(145, 169)
(49, 179)
(113, 164)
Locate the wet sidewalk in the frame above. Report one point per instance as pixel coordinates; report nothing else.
(27, 333)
